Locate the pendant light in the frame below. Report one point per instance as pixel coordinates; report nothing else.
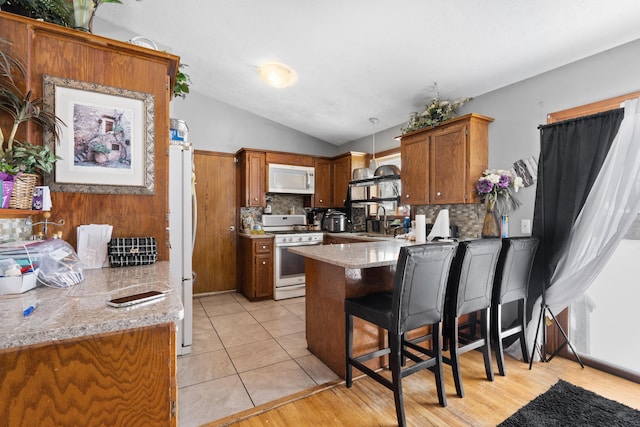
(373, 163)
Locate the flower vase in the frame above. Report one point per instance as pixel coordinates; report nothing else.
(83, 11)
(490, 226)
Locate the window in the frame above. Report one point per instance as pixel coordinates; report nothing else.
(387, 189)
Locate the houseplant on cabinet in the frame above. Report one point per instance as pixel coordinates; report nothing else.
(77, 14)
(24, 159)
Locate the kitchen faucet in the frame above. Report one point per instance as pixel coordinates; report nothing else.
(384, 221)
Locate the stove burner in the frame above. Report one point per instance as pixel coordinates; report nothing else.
(292, 231)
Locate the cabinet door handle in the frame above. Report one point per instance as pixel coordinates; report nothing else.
(264, 262)
(438, 194)
(407, 196)
(321, 201)
(264, 247)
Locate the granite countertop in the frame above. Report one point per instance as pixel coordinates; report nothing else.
(356, 255)
(80, 310)
(256, 236)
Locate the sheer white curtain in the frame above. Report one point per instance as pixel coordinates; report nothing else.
(611, 206)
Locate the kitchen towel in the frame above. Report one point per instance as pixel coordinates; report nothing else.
(421, 228)
(92, 244)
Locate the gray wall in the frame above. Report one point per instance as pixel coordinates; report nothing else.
(521, 107)
(518, 109)
(216, 126)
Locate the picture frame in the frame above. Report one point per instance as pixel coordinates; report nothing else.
(107, 145)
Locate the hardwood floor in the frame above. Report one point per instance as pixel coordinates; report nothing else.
(486, 403)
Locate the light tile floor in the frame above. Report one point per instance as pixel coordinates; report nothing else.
(244, 354)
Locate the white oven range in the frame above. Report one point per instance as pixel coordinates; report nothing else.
(289, 231)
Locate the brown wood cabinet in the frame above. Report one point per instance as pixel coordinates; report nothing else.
(414, 151)
(251, 178)
(323, 197)
(343, 167)
(118, 378)
(441, 165)
(288, 159)
(255, 268)
(50, 49)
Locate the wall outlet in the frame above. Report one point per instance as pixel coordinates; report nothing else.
(525, 226)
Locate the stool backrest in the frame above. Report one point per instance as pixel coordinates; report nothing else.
(471, 277)
(511, 282)
(420, 285)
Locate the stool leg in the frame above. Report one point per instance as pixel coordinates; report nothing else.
(485, 330)
(349, 349)
(455, 358)
(522, 315)
(395, 347)
(436, 340)
(499, 350)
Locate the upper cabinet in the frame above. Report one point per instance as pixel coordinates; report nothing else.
(343, 167)
(322, 197)
(288, 159)
(441, 165)
(251, 178)
(332, 175)
(414, 153)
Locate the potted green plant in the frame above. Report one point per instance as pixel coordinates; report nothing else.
(19, 106)
(181, 88)
(76, 14)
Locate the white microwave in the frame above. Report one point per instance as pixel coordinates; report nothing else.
(291, 179)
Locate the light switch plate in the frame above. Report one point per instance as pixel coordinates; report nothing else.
(525, 226)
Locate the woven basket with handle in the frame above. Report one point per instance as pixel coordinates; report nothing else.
(22, 194)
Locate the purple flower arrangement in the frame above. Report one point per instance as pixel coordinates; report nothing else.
(497, 187)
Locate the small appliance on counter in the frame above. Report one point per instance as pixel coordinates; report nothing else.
(335, 222)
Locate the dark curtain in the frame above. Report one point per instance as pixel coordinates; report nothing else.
(571, 155)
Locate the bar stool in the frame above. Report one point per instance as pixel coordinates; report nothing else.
(417, 300)
(511, 284)
(469, 291)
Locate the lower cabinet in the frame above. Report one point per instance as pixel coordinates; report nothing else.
(255, 268)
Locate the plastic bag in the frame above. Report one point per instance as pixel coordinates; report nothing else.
(60, 266)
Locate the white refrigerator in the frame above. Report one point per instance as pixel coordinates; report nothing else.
(182, 225)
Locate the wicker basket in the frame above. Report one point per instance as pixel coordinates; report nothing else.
(22, 194)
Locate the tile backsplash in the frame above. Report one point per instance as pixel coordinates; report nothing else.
(14, 229)
(468, 218)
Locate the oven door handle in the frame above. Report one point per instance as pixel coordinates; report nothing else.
(291, 287)
(290, 245)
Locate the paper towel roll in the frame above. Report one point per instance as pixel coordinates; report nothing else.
(421, 229)
(441, 226)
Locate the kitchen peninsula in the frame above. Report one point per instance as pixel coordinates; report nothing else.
(339, 271)
(75, 361)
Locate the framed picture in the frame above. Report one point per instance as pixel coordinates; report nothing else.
(107, 145)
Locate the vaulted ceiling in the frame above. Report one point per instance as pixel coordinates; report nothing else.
(370, 58)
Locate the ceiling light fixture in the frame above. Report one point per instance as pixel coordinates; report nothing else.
(373, 163)
(277, 75)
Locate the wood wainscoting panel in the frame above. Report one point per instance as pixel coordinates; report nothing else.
(48, 49)
(123, 378)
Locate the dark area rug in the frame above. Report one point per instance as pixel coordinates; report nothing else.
(565, 404)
